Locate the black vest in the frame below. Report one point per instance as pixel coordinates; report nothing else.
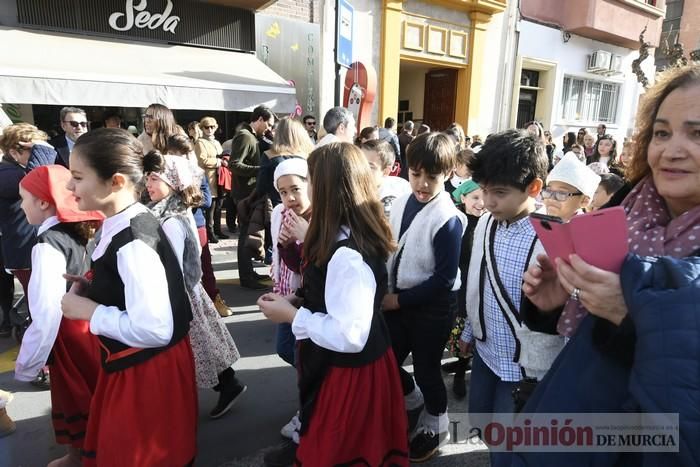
(313, 360)
(107, 289)
(61, 238)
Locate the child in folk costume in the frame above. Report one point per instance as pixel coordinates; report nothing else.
(67, 345)
(350, 392)
(144, 408)
(470, 198)
(289, 223)
(424, 279)
(173, 186)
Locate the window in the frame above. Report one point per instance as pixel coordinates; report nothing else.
(670, 30)
(585, 100)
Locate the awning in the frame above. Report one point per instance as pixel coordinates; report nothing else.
(60, 69)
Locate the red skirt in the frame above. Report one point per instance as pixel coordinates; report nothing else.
(145, 415)
(74, 366)
(359, 418)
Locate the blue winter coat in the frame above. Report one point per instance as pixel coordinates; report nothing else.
(650, 363)
(663, 296)
(18, 236)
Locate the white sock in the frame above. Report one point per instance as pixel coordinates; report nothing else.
(435, 423)
(414, 399)
(5, 398)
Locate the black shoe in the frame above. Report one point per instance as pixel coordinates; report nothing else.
(253, 285)
(459, 385)
(42, 381)
(220, 234)
(426, 444)
(451, 367)
(212, 239)
(260, 277)
(282, 456)
(227, 397)
(414, 418)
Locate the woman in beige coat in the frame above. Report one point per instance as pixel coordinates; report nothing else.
(209, 151)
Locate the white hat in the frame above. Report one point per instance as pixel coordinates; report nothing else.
(574, 172)
(292, 166)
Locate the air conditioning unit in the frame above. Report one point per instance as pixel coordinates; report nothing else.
(615, 65)
(599, 61)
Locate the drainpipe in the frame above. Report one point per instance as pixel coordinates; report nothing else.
(510, 53)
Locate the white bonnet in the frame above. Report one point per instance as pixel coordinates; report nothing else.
(574, 172)
(292, 166)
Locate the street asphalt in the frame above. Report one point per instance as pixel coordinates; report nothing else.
(238, 439)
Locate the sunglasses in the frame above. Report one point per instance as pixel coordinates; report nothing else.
(311, 123)
(209, 127)
(560, 196)
(75, 124)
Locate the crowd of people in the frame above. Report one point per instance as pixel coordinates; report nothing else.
(382, 245)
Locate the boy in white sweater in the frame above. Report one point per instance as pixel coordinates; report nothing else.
(423, 283)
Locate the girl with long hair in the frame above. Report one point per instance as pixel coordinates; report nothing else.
(605, 152)
(351, 397)
(144, 408)
(173, 186)
(158, 125)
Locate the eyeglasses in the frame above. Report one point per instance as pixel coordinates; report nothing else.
(560, 196)
(75, 124)
(311, 123)
(210, 127)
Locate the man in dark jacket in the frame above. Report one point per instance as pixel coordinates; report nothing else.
(405, 139)
(388, 134)
(74, 123)
(244, 165)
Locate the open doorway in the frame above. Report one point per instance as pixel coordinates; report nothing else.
(427, 94)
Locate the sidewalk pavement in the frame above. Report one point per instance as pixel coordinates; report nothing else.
(236, 440)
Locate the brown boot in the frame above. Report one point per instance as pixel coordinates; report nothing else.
(221, 306)
(7, 426)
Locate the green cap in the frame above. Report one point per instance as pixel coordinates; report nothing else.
(464, 189)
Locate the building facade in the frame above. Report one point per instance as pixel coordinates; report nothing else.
(288, 40)
(193, 56)
(573, 66)
(680, 26)
(435, 61)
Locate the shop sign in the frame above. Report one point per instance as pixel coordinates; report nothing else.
(137, 15)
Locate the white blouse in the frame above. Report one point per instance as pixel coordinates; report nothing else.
(349, 297)
(46, 288)
(148, 318)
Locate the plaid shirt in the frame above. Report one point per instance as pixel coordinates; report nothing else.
(511, 248)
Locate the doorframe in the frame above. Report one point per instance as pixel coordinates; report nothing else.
(462, 93)
(545, 97)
